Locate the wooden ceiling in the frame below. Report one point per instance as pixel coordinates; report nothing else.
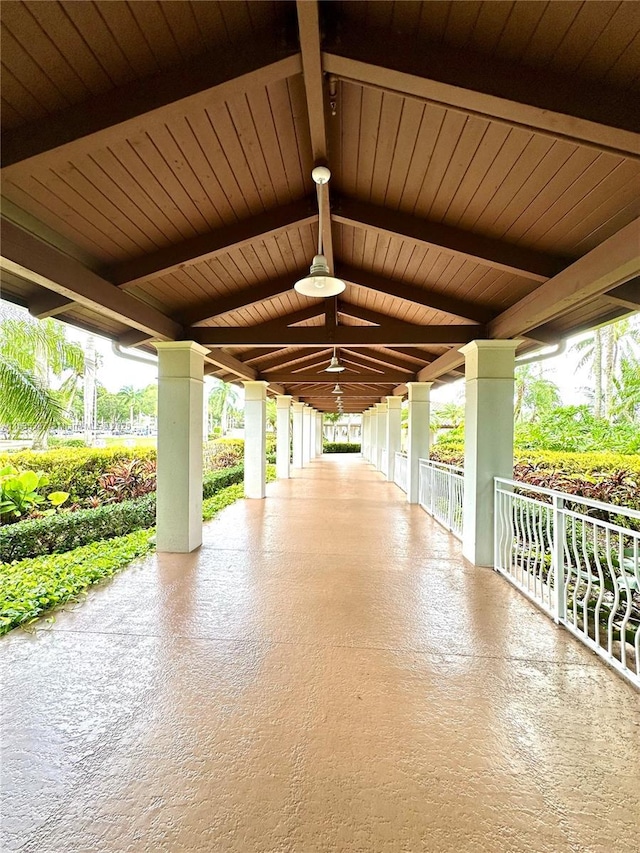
(485, 157)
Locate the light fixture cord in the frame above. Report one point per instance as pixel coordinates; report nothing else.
(319, 194)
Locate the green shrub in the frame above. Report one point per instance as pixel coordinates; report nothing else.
(340, 447)
(214, 481)
(29, 587)
(66, 442)
(75, 470)
(63, 532)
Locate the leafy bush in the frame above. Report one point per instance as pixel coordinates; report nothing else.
(66, 442)
(127, 480)
(75, 470)
(18, 493)
(575, 429)
(29, 587)
(214, 481)
(338, 447)
(60, 533)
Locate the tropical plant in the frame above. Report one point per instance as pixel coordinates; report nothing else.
(128, 479)
(19, 493)
(31, 353)
(223, 401)
(535, 396)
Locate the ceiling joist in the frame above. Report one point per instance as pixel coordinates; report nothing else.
(558, 105)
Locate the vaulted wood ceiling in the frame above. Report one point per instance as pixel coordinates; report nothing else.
(485, 157)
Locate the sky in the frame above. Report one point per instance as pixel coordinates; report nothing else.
(115, 372)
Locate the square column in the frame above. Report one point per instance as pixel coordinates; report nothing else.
(363, 434)
(313, 422)
(283, 436)
(488, 443)
(298, 461)
(373, 444)
(381, 409)
(319, 428)
(255, 439)
(418, 435)
(394, 415)
(179, 475)
(306, 435)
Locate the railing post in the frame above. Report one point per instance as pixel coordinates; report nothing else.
(450, 499)
(558, 559)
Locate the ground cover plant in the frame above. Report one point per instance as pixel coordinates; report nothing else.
(340, 447)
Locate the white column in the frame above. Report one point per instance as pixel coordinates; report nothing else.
(179, 476)
(418, 434)
(312, 437)
(255, 439)
(283, 435)
(306, 435)
(363, 434)
(382, 433)
(373, 433)
(320, 424)
(394, 415)
(488, 443)
(297, 434)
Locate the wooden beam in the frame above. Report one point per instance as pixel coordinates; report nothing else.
(299, 359)
(316, 309)
(207, 246)
(309, 29)
(32, 259)
(627, 295)
(394, 334)
(564, 106)
(612, 263)
(389, 377)
(377, 357)
(238, 299)
(229, 362)
(208, 81)
(49, 305)
(482, 250)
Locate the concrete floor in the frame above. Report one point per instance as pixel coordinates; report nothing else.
(325, 674)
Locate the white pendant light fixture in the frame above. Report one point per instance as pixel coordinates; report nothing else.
(334, 364)
(337, 389)
(320, 283)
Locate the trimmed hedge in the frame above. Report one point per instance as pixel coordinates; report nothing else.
(337, 447)
(68, 530)
(75, 470)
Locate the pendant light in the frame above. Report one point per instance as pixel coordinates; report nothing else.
(337, 389)
(320, 283)
(334, 364)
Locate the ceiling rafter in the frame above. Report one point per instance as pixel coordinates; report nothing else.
(482, 250)
(30, 258)
(610, 265)
(558, 105)
(207, 82)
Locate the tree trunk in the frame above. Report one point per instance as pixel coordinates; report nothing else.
(597, 369)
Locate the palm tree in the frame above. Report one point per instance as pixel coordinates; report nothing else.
(32, 352)
(221, 400)
(134, 398)
(535, 395)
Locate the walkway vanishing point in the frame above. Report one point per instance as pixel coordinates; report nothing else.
(324, 674)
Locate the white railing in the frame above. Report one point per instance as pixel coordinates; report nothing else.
(441, 493)
(400, 471)
(384, 465)
(579, 560)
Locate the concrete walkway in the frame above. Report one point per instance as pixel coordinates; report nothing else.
(325, 674)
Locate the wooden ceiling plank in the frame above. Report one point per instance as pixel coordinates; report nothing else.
(561, 106)
(627, 295)
(419, 295)
(133, 107)
(207, 246)
(27, 256)
(377, 357)
(483, 250)
(237, 299)
(225, 360)
(387, 378)
(394, 334)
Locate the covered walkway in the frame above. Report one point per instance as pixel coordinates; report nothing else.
(325, 674)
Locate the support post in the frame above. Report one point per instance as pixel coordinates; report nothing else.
(255, 439)
(488, 451)
(382, 433)
(394, 415)
(283, 436)
(179, 474)
(417, 435)
(320, 419)
(306, 435)
(298, 461)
